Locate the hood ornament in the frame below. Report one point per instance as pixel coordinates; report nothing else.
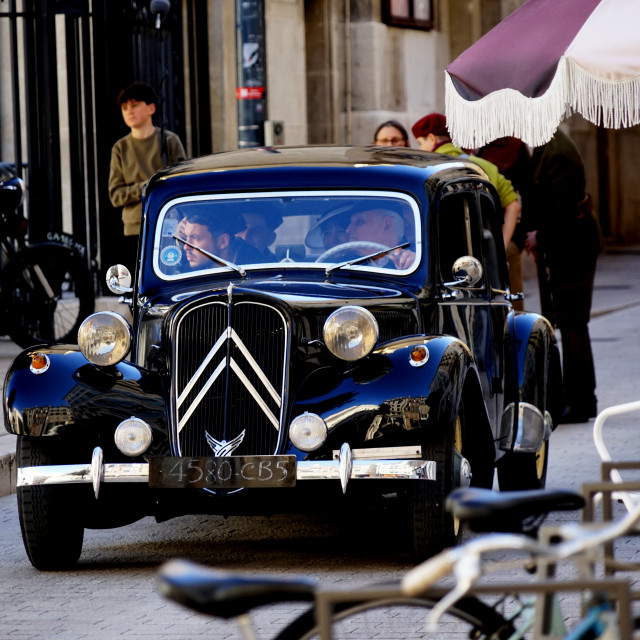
(222, 448)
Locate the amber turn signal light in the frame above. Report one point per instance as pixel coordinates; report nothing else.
(419, 356)
(39, 362)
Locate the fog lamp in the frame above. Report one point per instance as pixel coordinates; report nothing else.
(308, 431)
(350, 332)
(133, 436)
(104, 338)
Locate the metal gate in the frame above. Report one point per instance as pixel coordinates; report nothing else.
(65, 61)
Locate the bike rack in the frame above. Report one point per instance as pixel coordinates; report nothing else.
(616, 589)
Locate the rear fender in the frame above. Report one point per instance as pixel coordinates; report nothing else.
(533, 398)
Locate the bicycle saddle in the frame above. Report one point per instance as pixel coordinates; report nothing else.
(509, 511)
(226, 595)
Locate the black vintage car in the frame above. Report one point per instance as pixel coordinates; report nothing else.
(310, 326)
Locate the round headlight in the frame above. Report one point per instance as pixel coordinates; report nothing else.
(104, 338)
(350, 332)
(308, 432)
(133, 436)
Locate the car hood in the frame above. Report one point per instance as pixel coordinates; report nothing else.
(308, 294)
(297, 294)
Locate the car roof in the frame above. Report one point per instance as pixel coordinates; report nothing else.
(367, 159)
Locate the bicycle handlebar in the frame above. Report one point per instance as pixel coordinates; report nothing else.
(425, 575)
(464, 561)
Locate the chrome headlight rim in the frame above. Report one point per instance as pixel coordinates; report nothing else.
(351, 332)
(105, 338)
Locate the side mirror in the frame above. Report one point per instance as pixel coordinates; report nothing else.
(119, 279)
(467, 272)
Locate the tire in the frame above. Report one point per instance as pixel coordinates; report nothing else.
(47, 291)
(524, 471)
(431, 527)
(403, 618)
(52, 531)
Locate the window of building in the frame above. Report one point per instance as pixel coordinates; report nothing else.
(417, 14)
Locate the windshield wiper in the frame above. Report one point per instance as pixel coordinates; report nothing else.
(211, 256)
(371, 256)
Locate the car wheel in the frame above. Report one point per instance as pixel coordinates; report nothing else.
(523, 471)
(52, 530)
(430, 526)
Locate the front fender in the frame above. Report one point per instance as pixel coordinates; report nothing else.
(74, 394)
(383, 399)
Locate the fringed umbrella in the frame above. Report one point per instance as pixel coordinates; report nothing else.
(542, 63)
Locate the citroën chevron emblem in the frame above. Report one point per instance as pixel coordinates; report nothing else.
(222, 448)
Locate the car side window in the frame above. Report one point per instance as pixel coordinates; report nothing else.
(493, 250)
(457, 230)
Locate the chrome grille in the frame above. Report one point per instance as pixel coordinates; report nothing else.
(229, 376)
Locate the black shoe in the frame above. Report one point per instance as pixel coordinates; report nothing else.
(574, 415)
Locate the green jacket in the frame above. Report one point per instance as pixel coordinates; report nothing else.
(505, 189)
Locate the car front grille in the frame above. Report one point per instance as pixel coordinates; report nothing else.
(229, 368)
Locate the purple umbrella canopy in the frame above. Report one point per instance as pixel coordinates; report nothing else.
(542, 63)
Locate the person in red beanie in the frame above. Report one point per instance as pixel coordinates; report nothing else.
(432, 135)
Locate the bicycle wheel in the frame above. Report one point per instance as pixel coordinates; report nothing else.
(400, 618)
(47, 292)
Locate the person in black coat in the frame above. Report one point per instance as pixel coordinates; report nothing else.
(565, 237)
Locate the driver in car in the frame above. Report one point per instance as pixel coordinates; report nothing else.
(383, 227)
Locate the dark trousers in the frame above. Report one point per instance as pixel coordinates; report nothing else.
(566, 292)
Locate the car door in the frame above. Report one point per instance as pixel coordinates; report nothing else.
(466, 227)
(497, 274)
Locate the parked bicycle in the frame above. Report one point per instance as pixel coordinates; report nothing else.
(416, 608)
(46, 289)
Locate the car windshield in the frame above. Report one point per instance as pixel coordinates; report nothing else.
(325, 230)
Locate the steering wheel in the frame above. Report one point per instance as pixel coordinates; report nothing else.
(371, 247)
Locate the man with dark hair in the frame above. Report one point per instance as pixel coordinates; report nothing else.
(260, 232)
(215, 235)
(135, 158)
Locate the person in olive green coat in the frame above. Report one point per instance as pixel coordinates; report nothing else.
(135, 158)
(432, 135)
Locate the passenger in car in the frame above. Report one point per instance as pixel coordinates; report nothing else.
(260, 233)
(217, 236)
(330, 230)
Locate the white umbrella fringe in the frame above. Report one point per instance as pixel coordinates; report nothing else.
(615, 104)
(472, 124)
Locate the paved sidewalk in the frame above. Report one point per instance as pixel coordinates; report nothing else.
(616, 287)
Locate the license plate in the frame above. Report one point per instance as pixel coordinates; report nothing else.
(233, 472)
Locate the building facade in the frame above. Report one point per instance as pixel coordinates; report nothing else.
(332, 71)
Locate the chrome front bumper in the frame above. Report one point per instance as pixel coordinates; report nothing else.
(345, 468)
